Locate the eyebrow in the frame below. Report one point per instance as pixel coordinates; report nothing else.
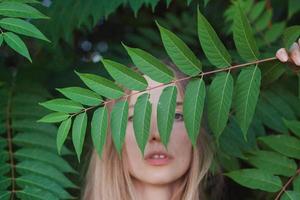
(177, 103)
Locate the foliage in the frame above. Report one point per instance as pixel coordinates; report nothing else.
(253, 109)
(12, 21)
(30, 166)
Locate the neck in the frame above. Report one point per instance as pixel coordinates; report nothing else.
(147, 191)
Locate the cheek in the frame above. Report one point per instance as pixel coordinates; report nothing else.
(181, 146)
(133, 152)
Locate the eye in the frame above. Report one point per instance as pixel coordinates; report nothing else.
(179, 116)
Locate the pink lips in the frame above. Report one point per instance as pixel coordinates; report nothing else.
(158, 158)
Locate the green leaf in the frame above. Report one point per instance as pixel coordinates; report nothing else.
(39, 140)
(119, 117)
(141, 120)
(246, 96)
(32, 180)
(16, 9)
(273, 34)
(213, 48)
(16, 43)
(290, 195)
(284, 144)
(296, 184)
(54, 117)
(34, 193)
(149, 65)
(39, 168)
(179, 52)
(81, 95)
(290, 35)
(293, 125)
(293, 8)
(256, 179)
(166, 112)
(193, 105)
(62, 134)
(99, 126)
(271, 71)
(257, 10)
(78, 132)
(125, 76)
(219, 102)
(243, 37)
(5, 195)
(45, 156)
(102, 86)
(62, 105)
(263, 22)
(274, 163)
(1, 39)
(22, 27)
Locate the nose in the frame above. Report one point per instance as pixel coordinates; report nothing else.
(154, 133)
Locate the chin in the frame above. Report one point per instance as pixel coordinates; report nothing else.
(159, 176)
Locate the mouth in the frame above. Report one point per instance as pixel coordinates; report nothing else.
(158, 158)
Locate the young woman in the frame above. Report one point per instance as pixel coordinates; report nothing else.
(177, 174)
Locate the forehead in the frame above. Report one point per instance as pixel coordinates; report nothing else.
(154, 93)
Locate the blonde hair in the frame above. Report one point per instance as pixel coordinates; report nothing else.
(109, 179)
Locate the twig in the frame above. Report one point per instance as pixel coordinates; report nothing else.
(181, 79)
(9, 139)
(287, 184)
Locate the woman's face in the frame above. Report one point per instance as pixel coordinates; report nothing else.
(179, 147)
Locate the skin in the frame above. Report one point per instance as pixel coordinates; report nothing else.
(158, 182)
(293, 55)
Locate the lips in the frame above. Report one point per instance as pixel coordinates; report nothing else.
(158, 158)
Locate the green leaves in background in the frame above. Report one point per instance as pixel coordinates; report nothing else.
(149, 65)
(293, 7)
(193, 105)
(62, 134)
(119, 117)
(102, 86)
(256, 179)
(219, 102)
(22, 27)
(99, 126)
(18, 9)
(243, 37)
(293, 125)
(142, 120)
(246, 96)
(273, 162)
(78, 132)
(166, 112)
(290, 35)
(39, 170)
(81, 95)
(62, 105)
(16, 43)
(211, 44)
(179, 52)
(284, 144)
(1, 39)
(125, 76)
(290, 195)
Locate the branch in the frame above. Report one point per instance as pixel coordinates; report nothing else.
(9, 138)
(188, 77)
(287, 184)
